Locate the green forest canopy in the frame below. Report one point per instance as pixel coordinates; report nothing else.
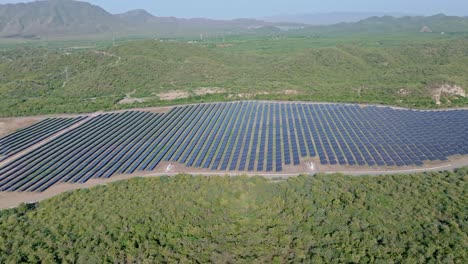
(420, 218)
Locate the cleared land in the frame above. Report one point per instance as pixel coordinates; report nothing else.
(266, 138)
(14, 199)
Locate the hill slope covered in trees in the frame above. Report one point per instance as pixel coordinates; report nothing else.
(382, 69)
(328, 218)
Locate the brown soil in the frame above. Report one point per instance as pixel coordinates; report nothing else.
(161, 110)
(248, 95)
(290, 92)
(209, 90)
(449, 90)
(403, 92)
(130, 100)
(224, 45)
(45, 141)
(173, 95)
(13, 199)
(10, 125)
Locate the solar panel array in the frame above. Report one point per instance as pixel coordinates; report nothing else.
(241, 136)
(25, 138)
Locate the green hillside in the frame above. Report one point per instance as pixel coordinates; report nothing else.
(405, 219)
(387, 24)
(391, 69)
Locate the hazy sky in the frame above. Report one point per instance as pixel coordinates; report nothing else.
(259, 8)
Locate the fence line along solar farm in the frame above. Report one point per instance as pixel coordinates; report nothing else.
(241, 136)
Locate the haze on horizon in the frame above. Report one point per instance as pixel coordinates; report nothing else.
(263, 8)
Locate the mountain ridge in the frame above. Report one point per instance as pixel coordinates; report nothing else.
(328, 18)
(437, 24)
(70, 18)
(54, 17)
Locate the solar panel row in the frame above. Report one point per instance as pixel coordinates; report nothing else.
(25, 138)
(253, 136)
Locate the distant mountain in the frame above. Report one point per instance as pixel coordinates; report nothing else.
(136, 17)
(54, 17)
(69, 18)
(51, 18)
(388, 24)
(141, 20)
(327, 18)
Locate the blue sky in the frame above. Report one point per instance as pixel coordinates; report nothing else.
(259, 8)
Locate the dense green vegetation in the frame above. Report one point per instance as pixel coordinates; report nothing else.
(328, 218)
(357, 69)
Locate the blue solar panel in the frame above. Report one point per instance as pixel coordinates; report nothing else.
(253, 136)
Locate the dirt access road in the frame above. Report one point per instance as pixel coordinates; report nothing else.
(14, 199)
(9, 125)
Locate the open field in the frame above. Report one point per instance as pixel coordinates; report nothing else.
(254, 137)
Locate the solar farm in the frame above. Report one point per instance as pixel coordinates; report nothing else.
(237, 137)
(17, 142)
